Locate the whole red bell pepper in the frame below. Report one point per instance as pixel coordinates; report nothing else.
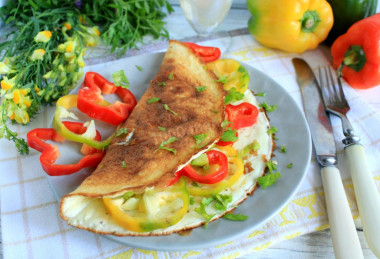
(36, 139)
(208, 54)
(242, 115)
(214, 157)
(92, 103)
(357, 53)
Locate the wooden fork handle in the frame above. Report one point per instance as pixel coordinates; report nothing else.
(367, 195)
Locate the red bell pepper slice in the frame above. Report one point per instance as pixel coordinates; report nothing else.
(50, 153)
(208, 54)
(242, 115)
(214, 157)
(91, 101)
(95, 80)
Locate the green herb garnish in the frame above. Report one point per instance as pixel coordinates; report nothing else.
(261, 94)
(272, 130)
(233, 96)
(192, 201)
(153, 100)
(248, 148)
(221, 201)
(290, 165)
(161, 84)
(271, 177)
(123, 165)
(267, 107)
(163, 143)
(121, 131)
(120, 79)
(200, 88)
(168, 109)
(139, 68)
(171, 76)
(199, 139)
(236, 217)
(161, 128)
(229, 135)
(195, 184)
(222, 79)
(268, 179)
(202, 210)
(226, 123)
(283, 149)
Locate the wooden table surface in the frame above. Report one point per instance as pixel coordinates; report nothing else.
(314, 245)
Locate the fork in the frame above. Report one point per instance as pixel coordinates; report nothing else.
(367, 195)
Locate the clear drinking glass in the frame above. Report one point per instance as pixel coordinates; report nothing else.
(205, 16)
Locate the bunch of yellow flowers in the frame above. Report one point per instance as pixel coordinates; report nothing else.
(20, 98)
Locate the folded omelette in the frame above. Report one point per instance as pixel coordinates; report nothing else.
(135, 190)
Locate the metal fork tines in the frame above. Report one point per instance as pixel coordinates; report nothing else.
(336, 102)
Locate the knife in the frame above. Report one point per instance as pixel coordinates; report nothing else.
(343, 232)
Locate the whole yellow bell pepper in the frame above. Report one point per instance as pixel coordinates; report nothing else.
(290, 25)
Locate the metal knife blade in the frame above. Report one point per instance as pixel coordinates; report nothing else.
(344, 236)
(319, 123)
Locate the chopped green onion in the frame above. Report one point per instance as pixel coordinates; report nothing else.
(139, 68)
(161, 84)
(283, 149)
(171, 76)
(123, 164)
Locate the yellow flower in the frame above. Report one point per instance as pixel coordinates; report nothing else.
(38, 54)
(7, 84)
(21, 116)
(67, 25)
(43, 36)
(4, 69)
(16, 96)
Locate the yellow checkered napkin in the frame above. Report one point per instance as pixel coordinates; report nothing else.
(32, 228)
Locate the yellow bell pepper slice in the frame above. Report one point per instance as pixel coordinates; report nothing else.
(235, 171)
(231, 73)
(152, 210)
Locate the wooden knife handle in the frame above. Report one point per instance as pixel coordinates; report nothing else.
(367, 195)
(343, 232)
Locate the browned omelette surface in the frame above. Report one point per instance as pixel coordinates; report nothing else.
(188, 113)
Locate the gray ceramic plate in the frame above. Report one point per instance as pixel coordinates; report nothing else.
(264, 204)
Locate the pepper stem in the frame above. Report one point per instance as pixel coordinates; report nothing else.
(354, 58)
(309, 21)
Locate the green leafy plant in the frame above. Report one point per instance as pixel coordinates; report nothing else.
(42, 56)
